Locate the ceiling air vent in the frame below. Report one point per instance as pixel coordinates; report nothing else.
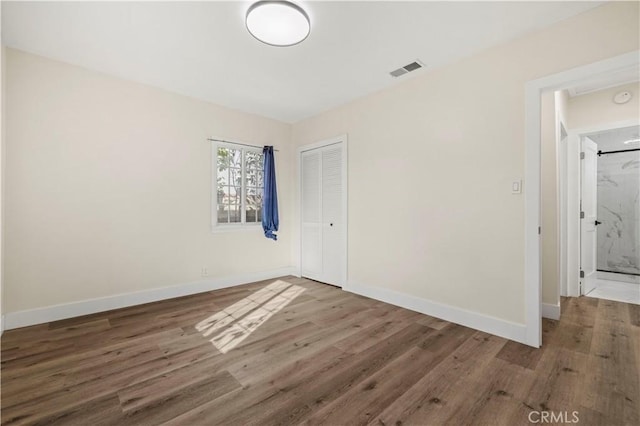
(406, 69)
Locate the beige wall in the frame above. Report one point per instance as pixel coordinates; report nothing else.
(597, 108)
(431, 162)
(108, 187)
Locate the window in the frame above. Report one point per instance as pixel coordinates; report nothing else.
(239, 185)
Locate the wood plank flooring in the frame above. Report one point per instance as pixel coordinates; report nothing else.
(323, 357)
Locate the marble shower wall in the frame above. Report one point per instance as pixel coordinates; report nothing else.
(619, 212)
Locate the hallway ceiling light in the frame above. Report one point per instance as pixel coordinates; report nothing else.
(278, 23)
(622, 97)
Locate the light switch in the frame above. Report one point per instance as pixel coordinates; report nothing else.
(516, 187)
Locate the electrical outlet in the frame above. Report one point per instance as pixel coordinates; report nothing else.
(205, 272)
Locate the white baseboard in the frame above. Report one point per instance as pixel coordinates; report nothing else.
(550, 311)
(499, 327)
(91, 306)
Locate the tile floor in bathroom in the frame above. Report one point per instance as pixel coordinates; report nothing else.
(616, 290)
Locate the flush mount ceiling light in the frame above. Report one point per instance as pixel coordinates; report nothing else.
(622, 97)
(278, 23)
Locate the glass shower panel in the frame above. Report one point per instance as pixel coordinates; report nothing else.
(619, 212)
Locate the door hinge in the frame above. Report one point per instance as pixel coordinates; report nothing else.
(581, 215)
(581, 274)
(539, 230)
(581, 156)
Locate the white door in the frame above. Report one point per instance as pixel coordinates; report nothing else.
(589, 208)
(311, 214)
(323, 234)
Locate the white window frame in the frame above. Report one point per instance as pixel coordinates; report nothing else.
(237, 226)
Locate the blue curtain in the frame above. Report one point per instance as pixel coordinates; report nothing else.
(270, 195)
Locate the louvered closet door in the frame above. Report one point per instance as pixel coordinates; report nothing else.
(311, 211)
(323, 221)
(332, 215)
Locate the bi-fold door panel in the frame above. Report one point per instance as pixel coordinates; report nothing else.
(311, 247)
(332, 215)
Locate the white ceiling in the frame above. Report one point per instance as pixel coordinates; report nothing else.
(202, 49)
(613, 140)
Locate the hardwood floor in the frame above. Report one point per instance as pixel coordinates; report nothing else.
(317, 355)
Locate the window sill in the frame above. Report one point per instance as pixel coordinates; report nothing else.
(219, 229)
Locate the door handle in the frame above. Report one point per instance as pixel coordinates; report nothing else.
(597, 222)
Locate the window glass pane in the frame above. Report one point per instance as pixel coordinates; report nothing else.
(251, 204)
(228, 172)
(223, 214)
(222, 201)
(258, 200)
(234, 213)
(224, 155)
(223, 177)
(227, 158)
(222, 167)
(253, 178)
(235, 176)
(228, 195)
(253, 160)
(235, 158)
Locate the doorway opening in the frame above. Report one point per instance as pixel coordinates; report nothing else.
(613, 258)
(588, 74)
(599, 196)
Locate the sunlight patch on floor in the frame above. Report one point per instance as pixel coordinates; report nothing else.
(239, 320)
